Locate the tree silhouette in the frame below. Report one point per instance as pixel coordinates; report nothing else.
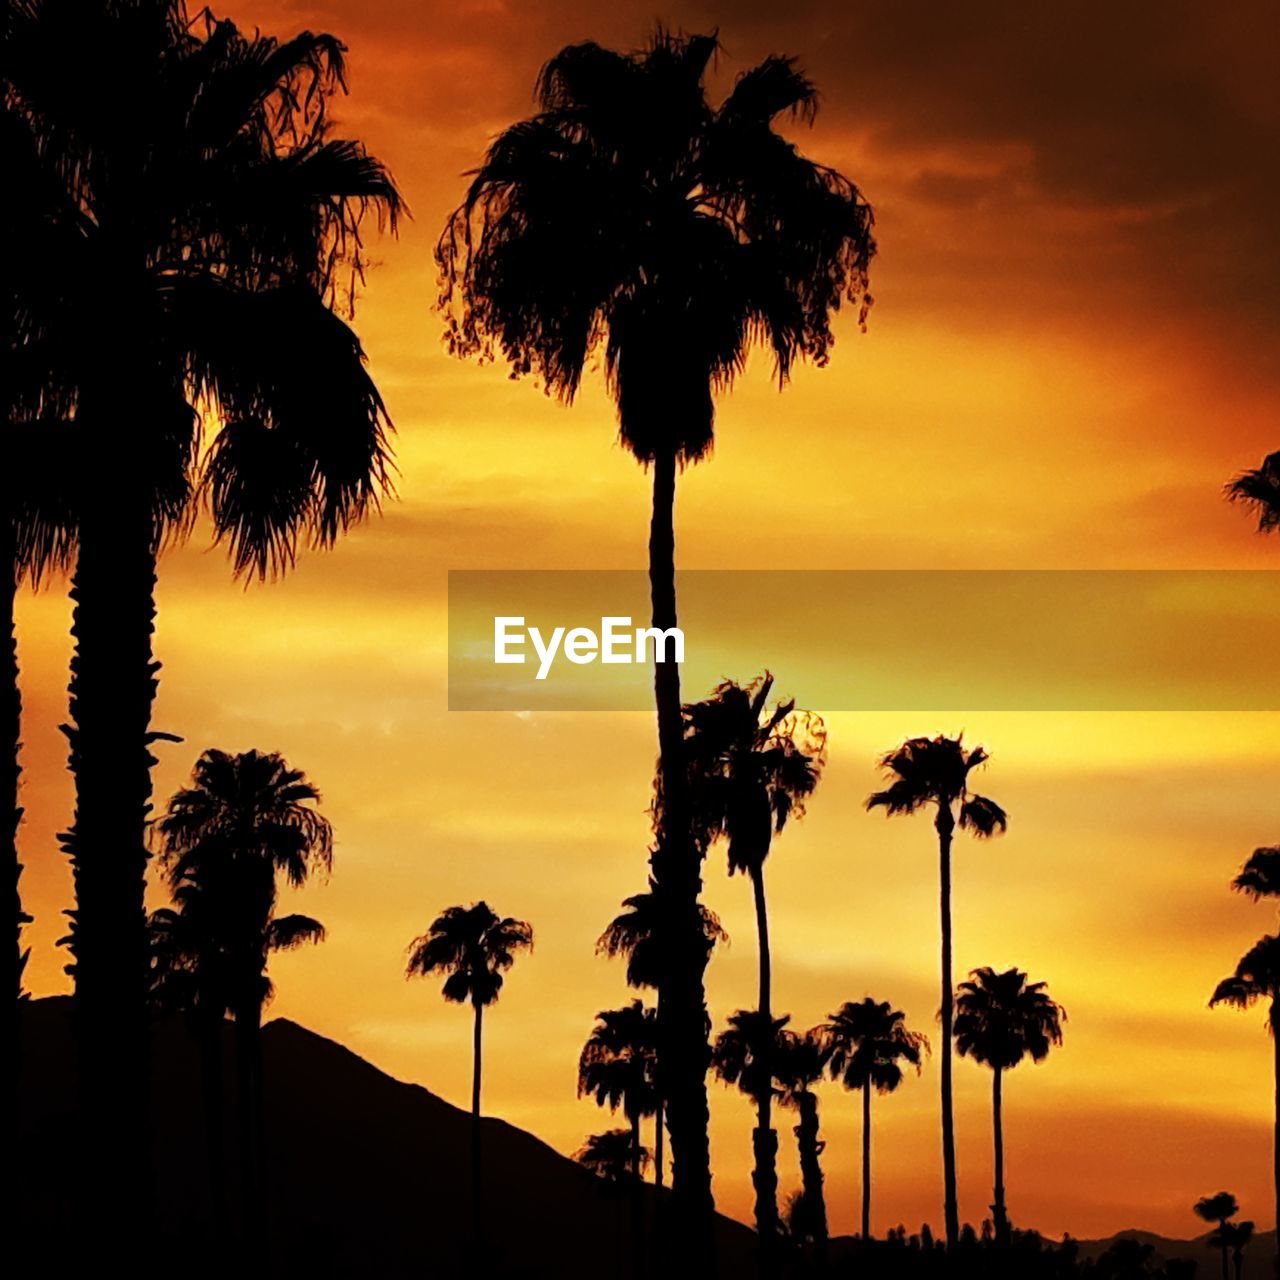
(611, 1155)
(935, 771)
(1257, 977)
(1260, 875)
(618, 1068)
(213, 219)
(630, 214)
(1259, 492)
(1235, 1237)
(866, 1044)
(1002, 1018)
(246, 821)
(473, 947)
(801, 1063)
(1219, 1209)
(747, 1053)
(752, 768)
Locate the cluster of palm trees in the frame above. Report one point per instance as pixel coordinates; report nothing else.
(189, 226)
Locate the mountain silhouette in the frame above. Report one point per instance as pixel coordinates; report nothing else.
(366, 1175)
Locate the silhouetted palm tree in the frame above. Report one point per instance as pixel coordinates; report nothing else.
(747, 1053)
(247, 820)
(215, 220)
(630, 213)
(752, 767)
(802, 1062)
(611, 1155)
(1260, 875)
(935, 771)
(1235, 1236)
(1002, 1018)
(618, 1065)
(1219, 1209)
(866, 1044)
(473, 947)
(1257, 977)
(1259, 491)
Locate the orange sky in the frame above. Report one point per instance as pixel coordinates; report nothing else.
(1072, 347)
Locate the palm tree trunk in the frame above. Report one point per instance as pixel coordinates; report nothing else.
(10, 808)
(867, 1160)
(764, 1177)
(946, 826)
(210, 1032)
(659, 1145)
(809, 1148)
(477, 1036)
(762, 933)
(997, 1127)
(1275, 1137)
(676, 862)
(249, 1090)
(113, 685)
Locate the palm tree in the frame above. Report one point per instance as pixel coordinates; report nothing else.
(245, 821)
(1235, 1236)
(617, 1067)
(866, 1045)
(802, 1062)
(935, 771)
(1219, 1209)
(473, 947)
(213, 220)
(641, 935)
(1260, 875)
(752, 768)
(747, 1053)
(1002, 1018)
(1259, 491)
(631, 214)
(1257, 977)
(611, 1155)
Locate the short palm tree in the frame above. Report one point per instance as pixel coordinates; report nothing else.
(631, 214)
(801, 1064)
(747, 1053)
(1235, 1237)
(611, 1155)
(1220, 1209)
(473, 947)
(866, 1044)
(925, 772)
(1257, 977)
(1002, 1018)
(618, 1068)
(1258, 490)
(246, 821)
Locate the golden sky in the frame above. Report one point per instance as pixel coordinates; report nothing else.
(1072, 347)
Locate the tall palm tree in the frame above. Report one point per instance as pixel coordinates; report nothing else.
(618, 1064)
(1258, 490)
(802, 1062)
(631, 214)
(1257, 977)
(1002, 1018)
(866, 1045)
(641, 934)
(925, 772)
(752, 768)
(747, 1053)
(213, 220)
(1219, 1209)
(246, 820)
(611, 1155)
(473, 947)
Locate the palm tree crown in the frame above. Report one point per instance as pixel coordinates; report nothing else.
(611, 1155)
(1259, 491)
(1002, 1018)
(935, 771)
(473, 946)
(618, 1062)
(1257, 977)
(1260, 875)
(642, 935)
(749, 1051)
(630, 212)
(868, 1042)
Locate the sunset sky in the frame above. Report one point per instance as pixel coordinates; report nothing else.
(1072, 348)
